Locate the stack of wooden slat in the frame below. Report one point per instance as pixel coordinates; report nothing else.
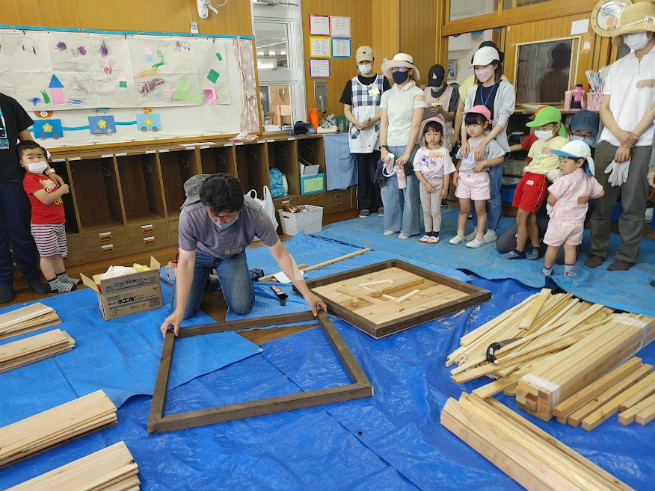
(112, 468)
(562, 374)
(54, 426)
(34, 348)
(25, 319)
(524, 452)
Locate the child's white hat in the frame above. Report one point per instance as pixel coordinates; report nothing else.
(577, 149)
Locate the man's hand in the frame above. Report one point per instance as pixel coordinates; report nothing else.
(174, 320)
(628, 139)
(622, 154)
(315, 303)
(651, 179)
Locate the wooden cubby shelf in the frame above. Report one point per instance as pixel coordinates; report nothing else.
(129, 201)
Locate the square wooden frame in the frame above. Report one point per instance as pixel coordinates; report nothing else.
(157, 422)
(475, 296)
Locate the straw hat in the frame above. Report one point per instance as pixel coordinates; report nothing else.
(636, 17)
(400, 60)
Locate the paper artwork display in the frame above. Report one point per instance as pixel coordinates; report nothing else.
(339, 26)
(319, 25)
(341, 48)
(102, 125)
(72, 70)
(319, 68)
(48, 128)
(148, 122)
(319, 47)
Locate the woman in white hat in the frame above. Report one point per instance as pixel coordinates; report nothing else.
(499, 96)
(625, 144)
(401, 111)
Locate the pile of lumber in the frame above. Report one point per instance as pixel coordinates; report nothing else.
(25, 319)
(524, 452)
(34, 348)
(553, 346)
(55, 426)
(112, 468)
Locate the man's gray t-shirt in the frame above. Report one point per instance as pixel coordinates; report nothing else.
(197, 231)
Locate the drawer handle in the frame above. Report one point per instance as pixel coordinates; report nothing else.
(104, 236)
(107, 248)
(147, 229)
(148, 240)
(338, 196)
(338, 205)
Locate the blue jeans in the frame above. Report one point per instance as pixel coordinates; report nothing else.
(234, 276)
(402, 207)
(494, 204)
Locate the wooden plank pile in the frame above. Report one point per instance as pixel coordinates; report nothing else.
(110, 469)
(25, 319)
(55, 426)
(554, 347)
(524, 452)
(34, 348)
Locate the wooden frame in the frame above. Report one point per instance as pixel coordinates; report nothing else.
(157, 422)
(474, 296)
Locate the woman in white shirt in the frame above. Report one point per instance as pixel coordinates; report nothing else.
(401, 111)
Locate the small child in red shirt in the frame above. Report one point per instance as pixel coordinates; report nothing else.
(47, 218)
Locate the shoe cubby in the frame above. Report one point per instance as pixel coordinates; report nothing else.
(214, 160)
(283, 155)
(96, 191)
(252, 166)
(311, 150)
(141, 187)
(176, 167)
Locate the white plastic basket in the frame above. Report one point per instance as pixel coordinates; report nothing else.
(309, 221)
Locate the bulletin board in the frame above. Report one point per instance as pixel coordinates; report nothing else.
(86, 86)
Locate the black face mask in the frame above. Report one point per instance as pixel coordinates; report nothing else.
(400, 77)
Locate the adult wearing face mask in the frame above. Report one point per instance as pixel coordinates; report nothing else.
(402, 112)
(442, 101)
(499, 97)
(14, 204)
(624, 147)
(361, 105)
(584, 126)
(217, 223)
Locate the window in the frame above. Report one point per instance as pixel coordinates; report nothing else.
(278, 40)
(460, 9)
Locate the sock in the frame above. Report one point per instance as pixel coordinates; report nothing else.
(568, 268)
(435, 234)
(64, 277)
(547, 271)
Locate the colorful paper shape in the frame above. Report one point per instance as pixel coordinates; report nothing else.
(48, 128)
(57, 96)
(55, 83)
(122, 81)
(184, 85)
(148, 53)
(218, 55)
(213, 76)
(148, 122)
(210, 95)
(102, 125)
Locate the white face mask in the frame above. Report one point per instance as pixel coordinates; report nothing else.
(484, 74)
(366, 68)
(37, 167)
(544, 135)
(636, 41)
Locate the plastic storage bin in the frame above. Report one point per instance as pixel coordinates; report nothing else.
(309, 221)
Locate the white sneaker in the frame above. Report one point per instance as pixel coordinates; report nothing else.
(489, 236)
(390, 232)
(475, 243)
(456, 240)
(403, 236)
(433, 239)
(381, 211)
(472, 235)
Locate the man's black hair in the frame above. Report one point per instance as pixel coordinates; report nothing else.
(474, 118)
(222, 193)
(26, 145)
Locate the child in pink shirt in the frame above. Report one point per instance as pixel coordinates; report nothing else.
(568, 201)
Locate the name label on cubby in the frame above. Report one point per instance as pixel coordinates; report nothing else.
(107, 248)
(122, 154)
(146, 228)
(163, 150)
(74, 158)
(102, 236)
(151, 151)
(149, 240)
(107, 156)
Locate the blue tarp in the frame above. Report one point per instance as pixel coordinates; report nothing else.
(624, 290)
(390, 441)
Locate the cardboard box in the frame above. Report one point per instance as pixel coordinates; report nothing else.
(129, 294)
(312, 184)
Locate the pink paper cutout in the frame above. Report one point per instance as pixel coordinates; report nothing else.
(210, 95)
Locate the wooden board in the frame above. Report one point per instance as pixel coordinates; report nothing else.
(26, 319)
(157, 422)
(438, 296)
(34, 348)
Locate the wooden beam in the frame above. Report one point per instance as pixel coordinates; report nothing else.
(628, 416)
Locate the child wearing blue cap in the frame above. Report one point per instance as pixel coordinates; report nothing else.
(568, 200)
